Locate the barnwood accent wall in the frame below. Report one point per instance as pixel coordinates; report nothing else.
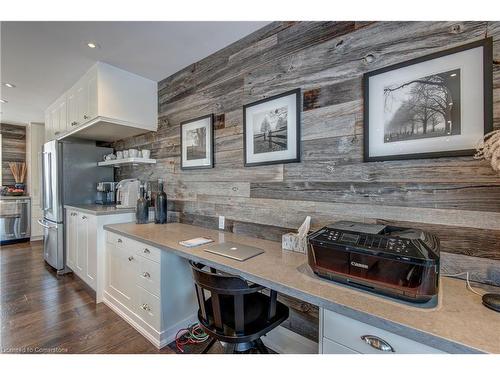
(457, 198)
(13, 149)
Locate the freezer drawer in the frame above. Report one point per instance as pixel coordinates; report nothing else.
(15, 219)
(53, 243)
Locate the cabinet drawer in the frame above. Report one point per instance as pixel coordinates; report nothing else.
(348, 332)
(149, 275)
(148, 252)
(115, 239)
(149, 308)
(331, 347)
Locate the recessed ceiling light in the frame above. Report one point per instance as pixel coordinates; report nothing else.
(92, 45)
(7, 84)
(3, 101)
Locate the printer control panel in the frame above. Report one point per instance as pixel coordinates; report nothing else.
(393, 245)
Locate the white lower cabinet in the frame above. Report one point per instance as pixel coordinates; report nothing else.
(342, 335)
(81, 251)
(151, 289)
(85, 245)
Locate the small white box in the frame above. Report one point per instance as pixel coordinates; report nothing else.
(292, 242)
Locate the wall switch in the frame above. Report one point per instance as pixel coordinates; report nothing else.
(222, 222)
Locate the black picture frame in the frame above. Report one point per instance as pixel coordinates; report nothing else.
(296, 159)
(211, 142)
(487, 45)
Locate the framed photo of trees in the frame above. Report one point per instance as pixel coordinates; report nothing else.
(433, 106)
(271, 130)
(197, 143)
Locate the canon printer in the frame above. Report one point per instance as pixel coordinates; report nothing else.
(395, 261)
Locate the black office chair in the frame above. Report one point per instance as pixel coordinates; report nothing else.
(235, 313)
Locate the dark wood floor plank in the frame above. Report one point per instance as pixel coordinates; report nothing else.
(42, 310)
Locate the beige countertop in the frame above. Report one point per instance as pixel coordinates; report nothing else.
(458, 324)
(99, 209)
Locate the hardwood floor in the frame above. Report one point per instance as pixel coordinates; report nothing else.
(44, 313)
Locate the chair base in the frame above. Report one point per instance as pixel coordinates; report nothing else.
(235, 348)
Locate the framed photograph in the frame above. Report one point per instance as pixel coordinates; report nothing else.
(271, 130)
(433, 106)
(197, 143)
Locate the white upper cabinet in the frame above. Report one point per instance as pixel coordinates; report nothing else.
(106, 104)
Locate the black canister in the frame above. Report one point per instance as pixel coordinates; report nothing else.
(160, 205)
(142, 209)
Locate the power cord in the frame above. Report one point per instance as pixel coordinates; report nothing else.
(467, 281)
(194, 334)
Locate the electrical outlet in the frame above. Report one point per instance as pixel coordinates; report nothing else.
(222, 222)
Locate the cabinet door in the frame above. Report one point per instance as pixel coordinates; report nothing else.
(82, 102)
(92, 106)
(62, 115)
(49, 130)
(72, 103)
(81, 244)
(91, 272)
(121, 265)
(71, 238)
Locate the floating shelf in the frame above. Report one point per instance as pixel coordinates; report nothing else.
(126, 161)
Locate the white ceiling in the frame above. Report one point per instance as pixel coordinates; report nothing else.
(43, 59)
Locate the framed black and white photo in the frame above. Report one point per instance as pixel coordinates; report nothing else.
(271, 130)
(433, 106)
(197, 143)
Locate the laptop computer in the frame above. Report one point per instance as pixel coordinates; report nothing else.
(234, 250)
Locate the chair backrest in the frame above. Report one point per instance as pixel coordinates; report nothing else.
(221, 286)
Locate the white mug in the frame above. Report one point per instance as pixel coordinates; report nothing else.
(125, 154)
(146, 154)
(133, 152)
(119, 154)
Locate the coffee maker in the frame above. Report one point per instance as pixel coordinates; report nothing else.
(127, 193)
(106, 193)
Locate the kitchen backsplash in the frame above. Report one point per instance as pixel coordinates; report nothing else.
(457, 198)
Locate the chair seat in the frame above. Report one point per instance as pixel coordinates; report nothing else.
(256, 319)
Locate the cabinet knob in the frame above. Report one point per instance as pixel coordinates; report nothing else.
(84, 217)
(85, 117)
(74, 123)
(130, 258)
(145, 307)
(119, 240)
(146, 274)
(377, 343)
(146, 251)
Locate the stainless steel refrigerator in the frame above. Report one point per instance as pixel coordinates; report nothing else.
(70, 174)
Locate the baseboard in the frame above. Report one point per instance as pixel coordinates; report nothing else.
(36, 239)
(284, 341)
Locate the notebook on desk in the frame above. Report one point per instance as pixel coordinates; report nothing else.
(234, 250)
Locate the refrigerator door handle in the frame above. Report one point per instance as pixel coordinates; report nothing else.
(46, 186)
(42, 223)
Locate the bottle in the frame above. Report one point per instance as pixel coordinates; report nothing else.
(160, 204)
(142, 210)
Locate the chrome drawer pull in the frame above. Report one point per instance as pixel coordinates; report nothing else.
(119, 240)
(377, 343)
(84, 217)
(130, 258)
(145, 307)
(146, 274)
(146, 251)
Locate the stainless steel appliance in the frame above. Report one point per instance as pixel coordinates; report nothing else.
(15, 219)
(127, 193)
(106, 193)
(69, 174)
